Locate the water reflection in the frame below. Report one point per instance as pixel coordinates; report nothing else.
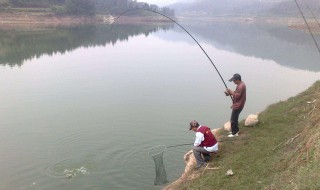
(100, 109)
(288, 47)
(18, 46)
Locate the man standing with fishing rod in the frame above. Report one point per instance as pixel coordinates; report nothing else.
(204, 144)
(239, 99)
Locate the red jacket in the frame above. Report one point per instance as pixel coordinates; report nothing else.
(239, 96)
(209, 139)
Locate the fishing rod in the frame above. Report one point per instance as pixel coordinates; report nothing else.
(185, 31)
(223, 140)
(313, 15)
(179, 145)
(307, 25)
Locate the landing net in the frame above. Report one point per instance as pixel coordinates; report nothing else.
(157, 154)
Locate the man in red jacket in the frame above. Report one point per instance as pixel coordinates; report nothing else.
(239, 99)
(204, 144)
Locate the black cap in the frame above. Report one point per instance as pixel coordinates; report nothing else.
(235, 77)
(194, 123)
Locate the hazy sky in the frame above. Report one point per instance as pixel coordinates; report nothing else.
(160, 2)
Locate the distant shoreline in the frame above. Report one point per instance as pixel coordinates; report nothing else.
(9, 20)
(27, 19)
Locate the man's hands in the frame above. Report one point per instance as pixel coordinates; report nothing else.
(228, 92)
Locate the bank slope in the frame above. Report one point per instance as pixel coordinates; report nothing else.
(281, 152)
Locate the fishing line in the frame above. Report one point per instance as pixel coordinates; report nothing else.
(179, 145)
(307, 25)
(185, 31)
(222, 140)
(157, 152)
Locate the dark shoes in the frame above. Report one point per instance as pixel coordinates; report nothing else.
(207, 158)
(200, 166)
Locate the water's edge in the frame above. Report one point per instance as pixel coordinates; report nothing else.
(190, 161)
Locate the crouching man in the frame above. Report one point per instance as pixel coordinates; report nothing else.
(204, 144)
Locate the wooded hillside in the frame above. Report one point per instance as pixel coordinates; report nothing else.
(248, 7)
(82, 7)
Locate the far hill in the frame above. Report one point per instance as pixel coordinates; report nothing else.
(246, 7)
(80, 7)
(22, 13)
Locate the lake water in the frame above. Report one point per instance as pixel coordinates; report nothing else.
(92, 100)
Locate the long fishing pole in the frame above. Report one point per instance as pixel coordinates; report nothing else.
(313, 15)
(307, 25)
(185, 31)
(179, 145)
(223, 140)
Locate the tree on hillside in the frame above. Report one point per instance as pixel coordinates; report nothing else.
(167, 11)
(91, 7)
(16, 2)
(57, 1)
(80, 7)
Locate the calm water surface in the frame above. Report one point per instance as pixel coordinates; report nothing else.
(83, 99)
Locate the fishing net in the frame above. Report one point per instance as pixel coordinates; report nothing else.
(157, 154)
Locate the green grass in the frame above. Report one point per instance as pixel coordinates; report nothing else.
(281, 152)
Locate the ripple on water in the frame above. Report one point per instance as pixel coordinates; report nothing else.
(69, 168)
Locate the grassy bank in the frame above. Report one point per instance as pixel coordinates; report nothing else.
(281, 152)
